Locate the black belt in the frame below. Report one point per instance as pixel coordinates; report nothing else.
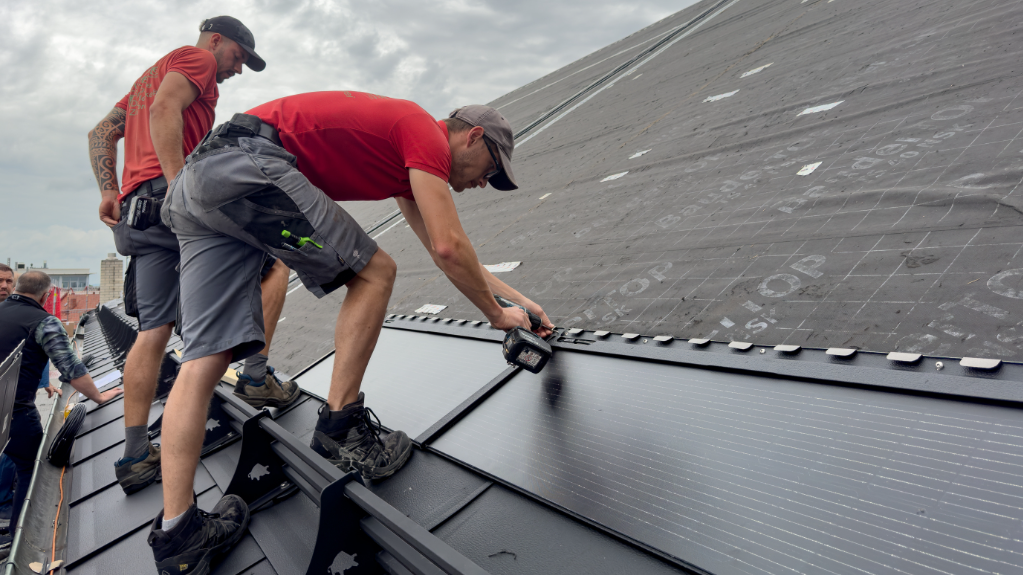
(152, 187)
(240, 126)
(246, 125)
(147, 189)
(270, 133)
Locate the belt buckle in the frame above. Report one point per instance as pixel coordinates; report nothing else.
(221, 130)
(125, 202)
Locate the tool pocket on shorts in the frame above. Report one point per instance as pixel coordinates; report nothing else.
(131, 302)
(122, 236)
(319, 265)
(225, 176)
(264, 215)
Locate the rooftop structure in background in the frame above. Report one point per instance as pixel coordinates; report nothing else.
(77, 279)
(64, 278)
(111, 273)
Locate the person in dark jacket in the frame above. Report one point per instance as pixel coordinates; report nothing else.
(24, 319)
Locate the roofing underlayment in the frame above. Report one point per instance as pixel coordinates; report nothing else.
(768, 229)
(904, 236)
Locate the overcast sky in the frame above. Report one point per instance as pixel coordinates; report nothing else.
(66, 63)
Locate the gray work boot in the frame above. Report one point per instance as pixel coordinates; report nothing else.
(352, 439)
(199, 538)
(270, 393)
(134, 474)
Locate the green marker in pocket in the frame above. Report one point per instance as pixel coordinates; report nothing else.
(300, 241)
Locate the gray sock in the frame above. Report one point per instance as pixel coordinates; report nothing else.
(168, 524)
(136, 441)
(255, 367)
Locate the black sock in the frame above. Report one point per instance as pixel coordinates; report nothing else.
(333, 423)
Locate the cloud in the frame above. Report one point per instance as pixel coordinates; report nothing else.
(67, 63)
(74, 248)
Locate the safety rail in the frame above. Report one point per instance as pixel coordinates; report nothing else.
(353, 520)
(9, 371)
(120, 335)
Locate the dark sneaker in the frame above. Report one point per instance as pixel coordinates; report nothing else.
(199, 538)
(353, 440)
(272, 393)
(134, 474)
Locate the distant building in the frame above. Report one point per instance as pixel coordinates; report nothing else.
(62, 278)
(74, 303)
(111, 278)
(68, 278)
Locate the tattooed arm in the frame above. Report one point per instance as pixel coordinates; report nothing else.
(103, 155)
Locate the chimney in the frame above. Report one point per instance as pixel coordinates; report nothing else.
(111, 278)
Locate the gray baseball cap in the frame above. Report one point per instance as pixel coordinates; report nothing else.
(498, 131)
(234, 29)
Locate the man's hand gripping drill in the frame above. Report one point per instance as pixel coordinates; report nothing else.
(522, 347)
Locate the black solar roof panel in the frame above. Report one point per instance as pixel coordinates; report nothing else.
(106, 436)
(95, 474)
(287, 533)
(103, 415)
(507, 533)
(744, 474)
(109, 515)
(130, 555)
(414, 379)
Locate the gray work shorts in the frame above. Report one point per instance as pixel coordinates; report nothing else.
(228, 206)
(155, 261)
(156, 256)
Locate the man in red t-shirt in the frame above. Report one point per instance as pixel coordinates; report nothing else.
(268, 181)
(162, 118)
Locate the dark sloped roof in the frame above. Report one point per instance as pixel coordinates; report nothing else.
(905, 237)
(107, 530)
(629, 453)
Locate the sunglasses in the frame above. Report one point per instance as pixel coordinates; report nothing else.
(497, 164)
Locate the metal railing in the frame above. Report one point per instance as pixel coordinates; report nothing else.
(9, 370)
(352, 518)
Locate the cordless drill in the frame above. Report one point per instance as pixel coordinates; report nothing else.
(523, 347)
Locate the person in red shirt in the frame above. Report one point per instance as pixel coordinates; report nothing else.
(267, 181)
(163, 118)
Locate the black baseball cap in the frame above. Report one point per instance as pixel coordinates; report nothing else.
(500, 132)
(234, 29)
